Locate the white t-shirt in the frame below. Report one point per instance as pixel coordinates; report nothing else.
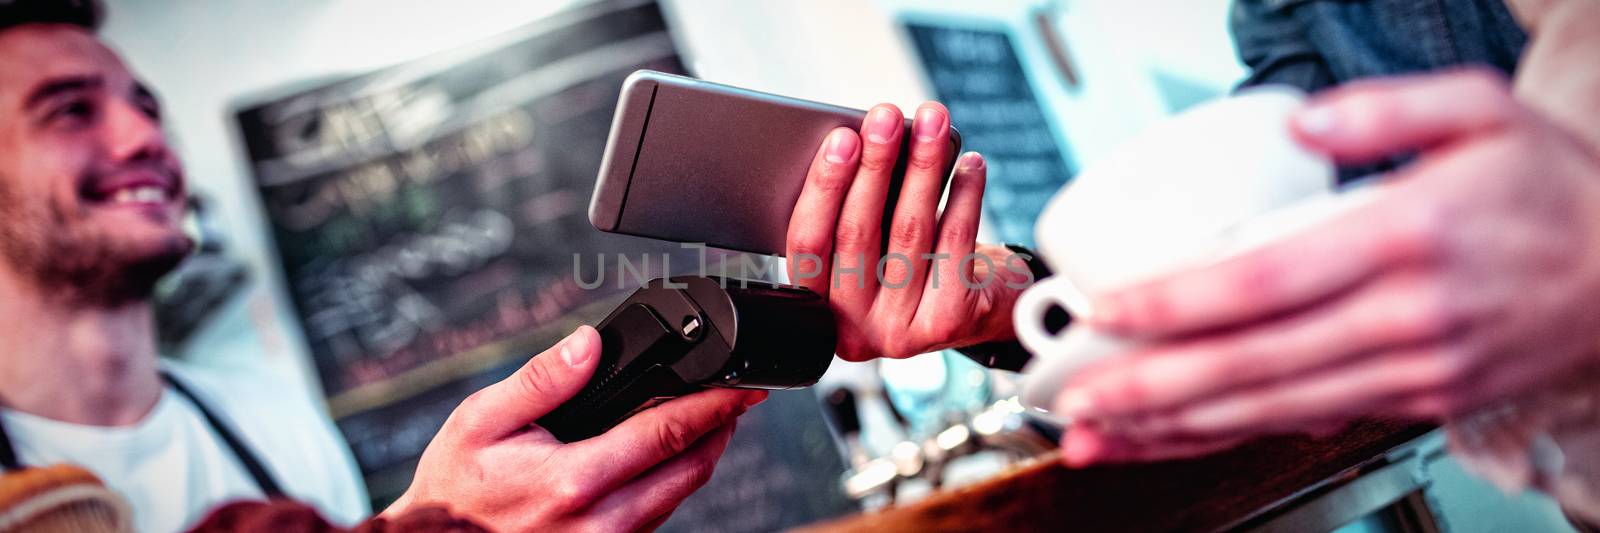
(174, 469)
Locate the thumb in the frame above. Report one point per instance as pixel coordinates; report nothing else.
(1531, 13)
(1557, 75)
(545, 382)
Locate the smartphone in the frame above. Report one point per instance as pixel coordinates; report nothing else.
(693, 161)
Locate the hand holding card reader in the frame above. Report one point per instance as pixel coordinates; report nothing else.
(675, 336)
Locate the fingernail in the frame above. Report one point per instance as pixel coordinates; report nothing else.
(971, 161)
(1317, 120)
(575, 348)
(841, 147)
(1075, 404)
(929, 124)
(751, 399)
(883, 125)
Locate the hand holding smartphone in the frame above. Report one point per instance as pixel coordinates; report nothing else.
(694, 161)
(851, 197)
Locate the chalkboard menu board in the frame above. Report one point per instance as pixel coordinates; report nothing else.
(976, 74)
(431, 223)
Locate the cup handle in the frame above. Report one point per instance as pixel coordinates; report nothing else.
(1035, 303)
(1077, 347)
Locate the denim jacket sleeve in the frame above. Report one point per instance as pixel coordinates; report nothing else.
(1313, 44)
(1276, 46)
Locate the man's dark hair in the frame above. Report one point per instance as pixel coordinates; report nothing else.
(82, 13)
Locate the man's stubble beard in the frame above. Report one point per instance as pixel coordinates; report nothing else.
(72, 262)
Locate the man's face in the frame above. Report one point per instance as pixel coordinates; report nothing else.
(91, 197)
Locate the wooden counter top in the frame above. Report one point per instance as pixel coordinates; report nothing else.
(1221, 491)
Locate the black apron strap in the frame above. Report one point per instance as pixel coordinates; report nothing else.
(252, 464)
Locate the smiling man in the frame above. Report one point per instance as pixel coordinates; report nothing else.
(91, 207)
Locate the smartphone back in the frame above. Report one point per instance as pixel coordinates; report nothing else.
(694, 161)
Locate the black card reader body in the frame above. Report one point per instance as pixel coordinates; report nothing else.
(675, 336)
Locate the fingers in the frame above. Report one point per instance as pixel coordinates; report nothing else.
(1472, 385)
(1372, 385)
(659, 434)
(1323, 261)
(954, 259)
(911, 232)
(1394, 311)
(1367, 121)
(655, 524)
(809, 246)
(958, 226)
(644, 503)
(858, 234)
(948, 303)
(1084, 446)
(545, 382)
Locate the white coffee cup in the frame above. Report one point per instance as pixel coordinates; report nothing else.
(1211, 182)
